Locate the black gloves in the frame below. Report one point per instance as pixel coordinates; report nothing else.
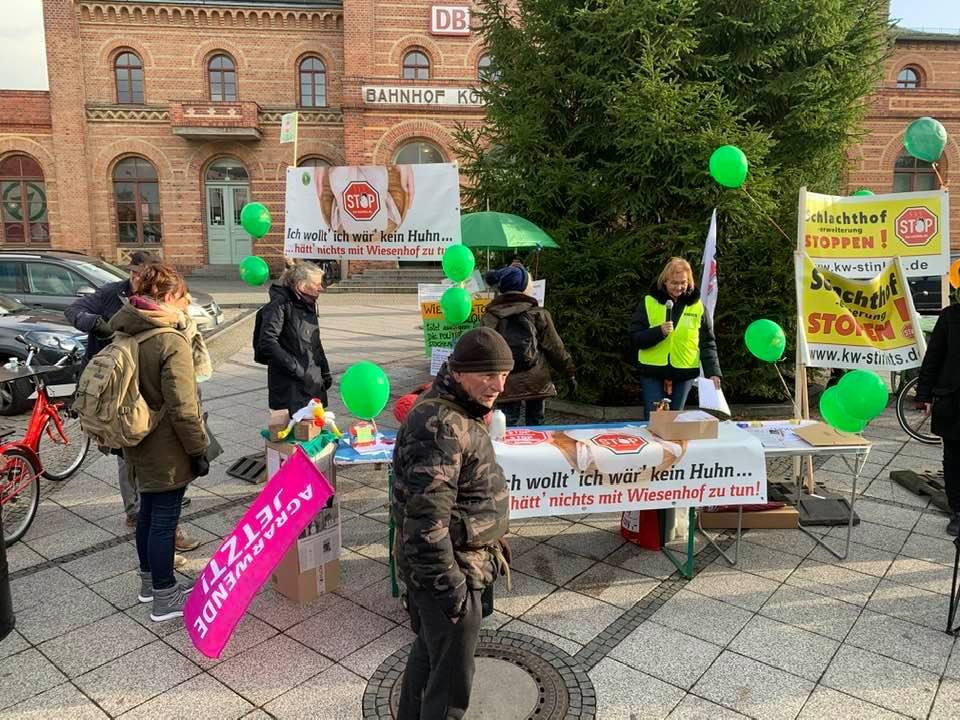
(199, 465)
(327, 382)
(101, 329)
(314, 381)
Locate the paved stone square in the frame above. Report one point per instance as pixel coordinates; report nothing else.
(790, 632)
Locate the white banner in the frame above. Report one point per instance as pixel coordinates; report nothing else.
(372, 212)
(588, 469)
(709, 282)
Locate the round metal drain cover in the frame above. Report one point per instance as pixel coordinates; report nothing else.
(518, 677)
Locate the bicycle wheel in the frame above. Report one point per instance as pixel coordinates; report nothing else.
(60, 459)
(19, 493)
(911, 415)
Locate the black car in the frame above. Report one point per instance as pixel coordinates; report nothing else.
(46, 329)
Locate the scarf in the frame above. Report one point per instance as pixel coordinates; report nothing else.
(166, 315)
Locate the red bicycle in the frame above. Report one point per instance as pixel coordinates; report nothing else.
(23, 461)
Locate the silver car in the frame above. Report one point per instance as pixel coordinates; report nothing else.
(55, 278)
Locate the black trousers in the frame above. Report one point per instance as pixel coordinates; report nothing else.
(439, 674)
(951, 470)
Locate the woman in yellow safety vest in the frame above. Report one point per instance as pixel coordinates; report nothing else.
(672, 344)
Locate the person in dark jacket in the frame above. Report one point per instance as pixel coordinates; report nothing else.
(297, 367)
(451, 509)
(515, 314)
(673, 345)
(174, 453)
(939, 389)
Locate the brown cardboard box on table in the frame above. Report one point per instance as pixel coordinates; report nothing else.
(306, 430)
(665, 424)
(311, 566)
(785, 517)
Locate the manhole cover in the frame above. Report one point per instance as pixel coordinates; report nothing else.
(518, 678)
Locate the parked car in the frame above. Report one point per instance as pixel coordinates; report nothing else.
(926, 294)
(48, 330)
(55, 278)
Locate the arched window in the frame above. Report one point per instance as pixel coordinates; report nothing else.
(908, 78)
(418, 152)
(227, 171)
(910, 174)
(416, 66)
(485, 70)
(128, 71)
(222, 74)
(23, 201)
(313, 161)
(313, 82)
(136, 193)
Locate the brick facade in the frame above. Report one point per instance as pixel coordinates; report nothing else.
(78, 131)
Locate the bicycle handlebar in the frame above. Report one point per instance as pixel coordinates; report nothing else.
(73, 356)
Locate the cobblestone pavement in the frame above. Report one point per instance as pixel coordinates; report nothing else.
(790, 632)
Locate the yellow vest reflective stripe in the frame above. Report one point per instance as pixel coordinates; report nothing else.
(681, 348)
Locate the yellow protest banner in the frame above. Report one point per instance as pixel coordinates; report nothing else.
(437, 333)
(869, 324)
(856, 236)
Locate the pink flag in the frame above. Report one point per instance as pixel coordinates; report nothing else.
(248, 555)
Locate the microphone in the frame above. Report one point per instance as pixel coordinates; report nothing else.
(669, 310)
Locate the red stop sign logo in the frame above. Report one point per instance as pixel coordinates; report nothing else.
(361, 201)
(524, 437)
(619, 444)
(915, 226)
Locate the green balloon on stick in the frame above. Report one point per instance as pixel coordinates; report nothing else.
(833, 412)
(458, 262)
(255, 219)
(863, 394)
(254, 270)
(365, 390)
(765, 340)
(925, 139)
(862, 192)
(729, 166)
(456, 304)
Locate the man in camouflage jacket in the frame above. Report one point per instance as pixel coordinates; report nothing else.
(450, 506)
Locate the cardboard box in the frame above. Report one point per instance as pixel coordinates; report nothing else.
(683, 425)
(304, 587)
(279, 419)
(785, 517)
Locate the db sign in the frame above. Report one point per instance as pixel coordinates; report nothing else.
(361, 201)
(916, 226)
(450, 20)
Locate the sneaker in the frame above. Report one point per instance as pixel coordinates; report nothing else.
(131, 521)
(953, 527)
(179, 560)
(185, 543)
(146, 587)
(168, 603)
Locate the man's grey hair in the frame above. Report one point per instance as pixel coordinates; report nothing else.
(299, 273)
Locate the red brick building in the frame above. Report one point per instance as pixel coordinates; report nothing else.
(163, 118)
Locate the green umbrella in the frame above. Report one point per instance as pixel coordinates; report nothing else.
(502, 231)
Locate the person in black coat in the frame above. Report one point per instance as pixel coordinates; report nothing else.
(297, 367)
(939, 389)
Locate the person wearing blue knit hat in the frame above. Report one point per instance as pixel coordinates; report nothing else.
(534, 343)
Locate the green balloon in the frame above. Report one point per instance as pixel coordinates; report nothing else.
(863, 394)
(765, 340)
(458, 262)
(728, 166)
(456, 305)
(365, 390)
(255, 219)
(831, 408)
(254, 270)
(925, 139)
(862, 191)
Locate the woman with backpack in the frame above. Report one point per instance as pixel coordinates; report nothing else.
(673, 336)
(173, 454)
(287, 340)
(534, 342)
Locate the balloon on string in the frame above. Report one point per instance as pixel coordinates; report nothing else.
(862, 192)
(365, 390)
(925, 139)
(458, 262)
(729, 166)
(456, 304)
(954, 275)
(254, 270)
(834, 414)
(766, 340)
(863, 394)
(255, 219)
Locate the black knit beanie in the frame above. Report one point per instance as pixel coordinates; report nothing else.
(482, 350)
